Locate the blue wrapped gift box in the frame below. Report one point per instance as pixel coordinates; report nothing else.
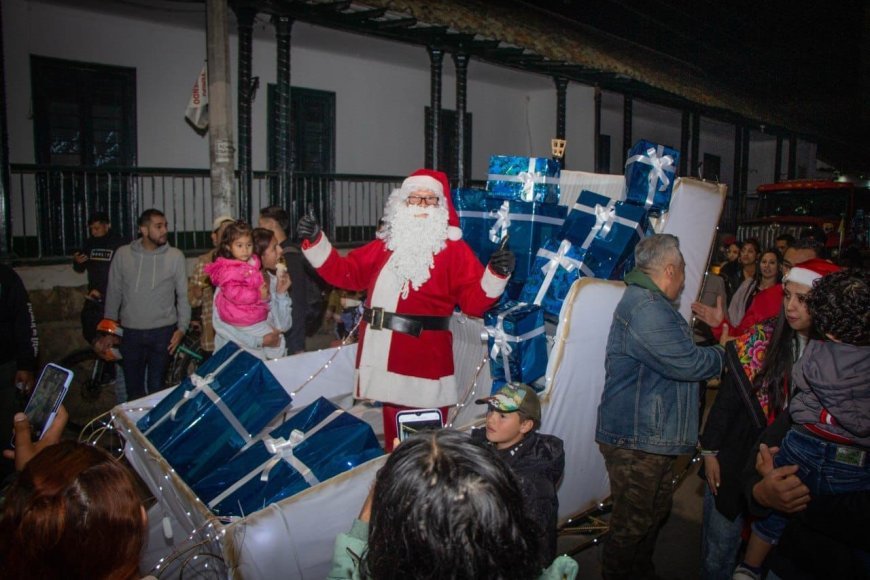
(486, 221)
(517, 343)
(649, 175)
(604, 249)
(215, 412)
(523, 178)
(583, 217)
(317, 443)
(557, 265)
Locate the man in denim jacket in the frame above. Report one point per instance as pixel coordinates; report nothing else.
(649, 408)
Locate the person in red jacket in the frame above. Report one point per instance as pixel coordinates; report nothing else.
(415, 273)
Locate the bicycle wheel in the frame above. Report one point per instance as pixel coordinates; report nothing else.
(88, 396)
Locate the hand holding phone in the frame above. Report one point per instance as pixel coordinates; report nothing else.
(47, 396)
(414, 421)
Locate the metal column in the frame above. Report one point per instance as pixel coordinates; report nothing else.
(684, 142)
(460, 62)
(5, 206)
(436, 60)
(626, 127)
(244, 94)
(597, 144)
(696, 144)
(281, 122)
(792, 157)
(744, 171)
(561, 109)
(777, 162)
(735, 192)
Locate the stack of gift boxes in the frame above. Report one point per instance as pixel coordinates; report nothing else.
(224, 431)
(554, 246)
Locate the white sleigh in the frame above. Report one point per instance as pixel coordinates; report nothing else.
(294, 538)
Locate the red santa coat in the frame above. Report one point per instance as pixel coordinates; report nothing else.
(398, 368)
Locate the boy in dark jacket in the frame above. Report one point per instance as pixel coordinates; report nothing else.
(537, 460)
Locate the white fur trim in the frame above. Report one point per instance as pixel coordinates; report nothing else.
(382, 385)
(803, 276)
(376, 343)
(454, 233)
(422, 182)
(493, 285)
(319, 252)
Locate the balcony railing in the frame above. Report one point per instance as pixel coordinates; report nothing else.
(50, 205)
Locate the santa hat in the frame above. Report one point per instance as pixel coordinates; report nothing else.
(436, 182)
(808, 272)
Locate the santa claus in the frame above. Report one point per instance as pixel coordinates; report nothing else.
(416, 272)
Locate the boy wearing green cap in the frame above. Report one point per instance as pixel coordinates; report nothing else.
(537, 460)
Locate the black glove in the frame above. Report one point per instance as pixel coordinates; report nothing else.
(308, 229)
(503, 262)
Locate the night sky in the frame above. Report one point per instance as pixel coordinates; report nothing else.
(801, 56)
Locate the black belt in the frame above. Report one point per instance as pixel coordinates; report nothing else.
(407, 323)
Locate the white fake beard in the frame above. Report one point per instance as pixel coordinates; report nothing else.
(414, 242)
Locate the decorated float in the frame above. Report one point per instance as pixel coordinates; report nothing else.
(257, 466)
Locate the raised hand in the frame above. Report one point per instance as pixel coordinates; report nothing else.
(308, 228)
(503, 262)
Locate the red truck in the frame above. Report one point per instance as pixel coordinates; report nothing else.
(793, 207)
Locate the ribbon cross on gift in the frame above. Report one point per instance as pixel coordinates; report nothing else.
(281, 450)
(502, 222)
(556, 260)
(203, 385)
(501, 341)
(661, 166)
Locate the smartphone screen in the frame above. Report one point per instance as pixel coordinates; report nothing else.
(411, 422)
(47, 396)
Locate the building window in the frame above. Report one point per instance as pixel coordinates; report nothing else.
(312, 130)
(84, 116)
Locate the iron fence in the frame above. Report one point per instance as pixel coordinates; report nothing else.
(50, 205)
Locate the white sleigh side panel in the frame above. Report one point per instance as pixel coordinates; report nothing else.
(575, 380)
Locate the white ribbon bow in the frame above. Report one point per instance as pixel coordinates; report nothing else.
(557, 259)
(660, 164)
(282, 449)
(502, 223)
(527, 178)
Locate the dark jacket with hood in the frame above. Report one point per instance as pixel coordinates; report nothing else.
(18, 338)
(538, 461)
(99, 252)
(832, 390)
(737, 417)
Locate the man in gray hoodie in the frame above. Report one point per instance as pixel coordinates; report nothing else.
(147, 294)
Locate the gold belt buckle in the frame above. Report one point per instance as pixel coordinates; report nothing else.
(377, 321)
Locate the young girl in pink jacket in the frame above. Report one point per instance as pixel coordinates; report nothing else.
(242, 299)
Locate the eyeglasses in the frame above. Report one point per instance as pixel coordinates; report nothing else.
(419, 200)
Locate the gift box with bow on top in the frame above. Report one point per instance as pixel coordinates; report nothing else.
(523, 178)
(318, 442)
(486, 222)
(214, 412)
(517, 343)
(650, 171)
(607, 244)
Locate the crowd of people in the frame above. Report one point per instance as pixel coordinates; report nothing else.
(784, 445)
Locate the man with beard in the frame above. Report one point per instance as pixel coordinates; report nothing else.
(147, 293)
(415, 272)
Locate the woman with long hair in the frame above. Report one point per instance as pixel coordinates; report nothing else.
(755, 388)
(757, 299)
(767, 275)
(444, 508)
(73, 513)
